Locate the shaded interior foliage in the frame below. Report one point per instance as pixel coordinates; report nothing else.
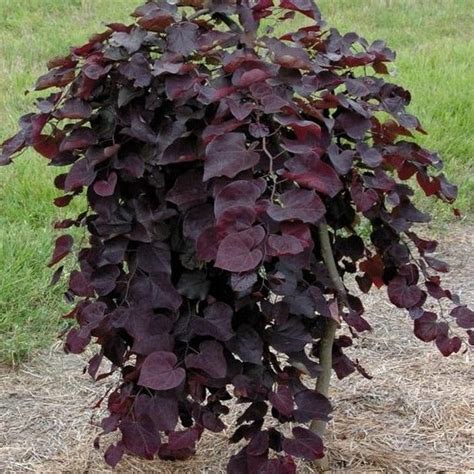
(210, 151)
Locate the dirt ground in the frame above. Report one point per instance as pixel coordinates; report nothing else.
(416, 415)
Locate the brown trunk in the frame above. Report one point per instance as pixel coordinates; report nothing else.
(327, 339)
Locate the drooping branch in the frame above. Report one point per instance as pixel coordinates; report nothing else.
(198, 13)
(233, 26)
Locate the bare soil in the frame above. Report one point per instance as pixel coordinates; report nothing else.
(416, 415)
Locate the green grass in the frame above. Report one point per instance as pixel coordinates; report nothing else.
(435, 61)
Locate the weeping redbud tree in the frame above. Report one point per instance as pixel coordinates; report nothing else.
(234, 180)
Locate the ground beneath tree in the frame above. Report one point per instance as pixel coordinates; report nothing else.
(417, 414)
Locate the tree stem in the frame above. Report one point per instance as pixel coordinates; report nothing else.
(327, 339)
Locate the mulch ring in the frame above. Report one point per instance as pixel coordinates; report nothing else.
(417, 414)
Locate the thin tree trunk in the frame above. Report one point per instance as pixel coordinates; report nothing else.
(327, 339)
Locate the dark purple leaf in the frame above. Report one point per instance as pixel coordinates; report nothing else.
(210, 359)
(259, 444)
(188, 190)
(305, 444)
(161, 408)
(114, 454)
(278, 245)
(75, 109)
(436, 264)
(355, 125)
(282, 400)
(137, 70)
(131, 41)
(243, 281)
(238, 193)
(106, 187)
(193, 285)
(62, 248)
(81, 174)
(217, 322)
(447, 345)
(247, 344)
(159, 371)
(80, 284)
(426, 327)
(298, 204)
(79, 138)
(464, 317)
(140, 437)
(311, 406)
(182, 38)
(341, 160)
(228, 155)
(363, 198)
(237, 252)
(311, 172)
(402, 294)
(290, 336)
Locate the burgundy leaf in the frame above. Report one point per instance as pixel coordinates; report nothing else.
(238, 193)
(62, 248)
(305, 444)
(298, 204)
(114, 454)
(59, 77)
(311, 406)
(464, 317)
(182, 38)
(137, 70)
(80, 284)
(243, 281)
(282, 400)
(154, 18)
(426, 327)
(227, 155)
(78, 139)
(159, 371)
(140, 437)
(81, 174)
(237, 252)
(106, 187)
(217, 322)
(247, 344)
(311, 172)
(283, 245)
(355, 125)
(210, 359)
(75, 109)
(363, 198)
(447, 345)
(290, 336)
(403, 295)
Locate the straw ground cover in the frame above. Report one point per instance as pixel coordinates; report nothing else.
(435, 55)
(414, 416)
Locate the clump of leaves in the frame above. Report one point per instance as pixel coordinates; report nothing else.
(226, 172)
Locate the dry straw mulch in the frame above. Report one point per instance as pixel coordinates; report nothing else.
(416, 415)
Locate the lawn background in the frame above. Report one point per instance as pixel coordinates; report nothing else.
(435, 46)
